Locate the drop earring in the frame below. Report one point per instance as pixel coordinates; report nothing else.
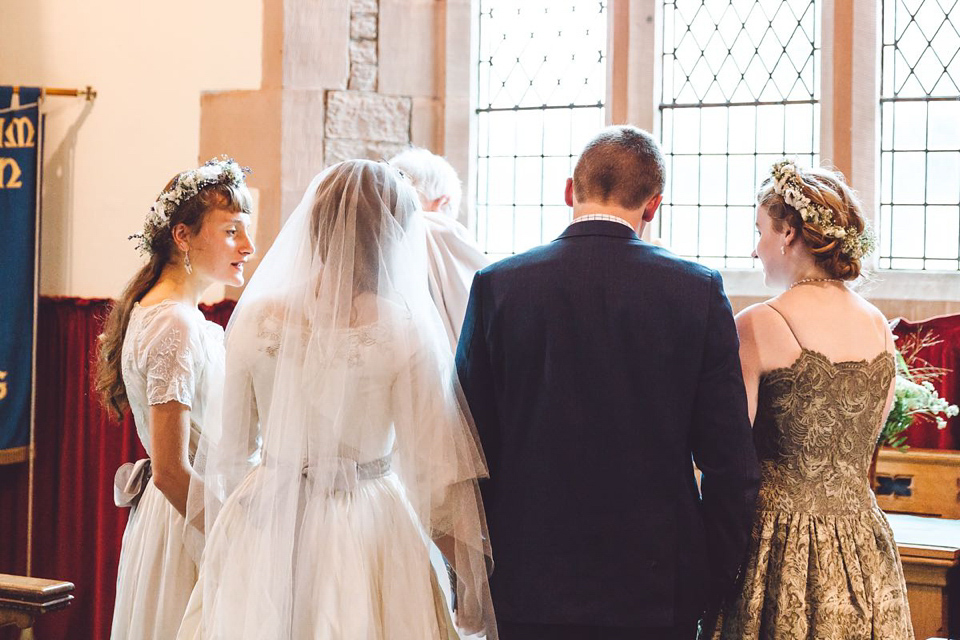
(186, 262)
(783, 250)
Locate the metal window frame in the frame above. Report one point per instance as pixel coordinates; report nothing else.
(483, 154)
(887, 258)
(669, 103)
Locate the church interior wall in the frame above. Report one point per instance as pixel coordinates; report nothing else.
(105, 161)
(171, 80)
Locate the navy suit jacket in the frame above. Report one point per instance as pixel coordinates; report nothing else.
(595, 367)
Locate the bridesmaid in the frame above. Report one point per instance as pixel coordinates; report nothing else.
(819, 373)
(160, 358)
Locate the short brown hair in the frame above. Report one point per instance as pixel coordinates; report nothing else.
(622, 165)
(828, 189)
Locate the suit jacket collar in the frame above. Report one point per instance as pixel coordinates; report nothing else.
(599, 228)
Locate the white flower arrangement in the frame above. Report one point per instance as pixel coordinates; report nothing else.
(923, 397)
(222, 170)
(914, 393)
(787, 185)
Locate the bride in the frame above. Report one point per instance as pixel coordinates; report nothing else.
(344, 448)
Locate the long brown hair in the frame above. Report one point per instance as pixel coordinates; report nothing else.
(375, 187)
(108, 379)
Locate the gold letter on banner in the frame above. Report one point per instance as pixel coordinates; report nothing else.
(3, 385)
(14, 181)
(20, 133)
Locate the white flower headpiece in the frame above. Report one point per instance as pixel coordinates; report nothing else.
(222, 170)
(787, 185)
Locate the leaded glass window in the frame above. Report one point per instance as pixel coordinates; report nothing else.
(920, 135)
(541, 92)
(740, 89)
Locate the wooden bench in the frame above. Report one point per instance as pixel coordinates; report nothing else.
(919, 491)
(930, 551)
(923, 482)
(23, 599)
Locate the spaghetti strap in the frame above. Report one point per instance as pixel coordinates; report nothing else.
(787, 322)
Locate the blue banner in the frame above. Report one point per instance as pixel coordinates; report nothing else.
(20, 148)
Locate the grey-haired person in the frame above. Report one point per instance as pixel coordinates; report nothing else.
(453, 257)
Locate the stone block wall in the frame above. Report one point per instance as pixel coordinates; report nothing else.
(341, 79)
(361, 122)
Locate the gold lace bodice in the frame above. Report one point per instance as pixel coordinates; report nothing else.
(815, 431)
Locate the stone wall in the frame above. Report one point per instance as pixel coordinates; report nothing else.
(360, 122)
(341, 79)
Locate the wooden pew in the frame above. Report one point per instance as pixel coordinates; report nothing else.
(922, 482)
(930, 551)
(24, 599)
(919, 492)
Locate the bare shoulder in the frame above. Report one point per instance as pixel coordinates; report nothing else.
(879, 319)
(765, 338)
(867, 306)
(757, 317)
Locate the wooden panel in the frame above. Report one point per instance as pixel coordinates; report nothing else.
(930, 551)
(923, 482)
(928, 610)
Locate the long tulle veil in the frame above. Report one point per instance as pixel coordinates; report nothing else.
(348, 267)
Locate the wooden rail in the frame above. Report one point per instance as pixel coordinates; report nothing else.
(23, 600)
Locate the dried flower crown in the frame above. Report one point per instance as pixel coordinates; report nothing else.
(222, 170)
(787, 185)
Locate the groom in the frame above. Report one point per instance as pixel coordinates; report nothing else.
(595, 366)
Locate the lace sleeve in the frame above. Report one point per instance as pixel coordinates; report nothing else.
(170, 362)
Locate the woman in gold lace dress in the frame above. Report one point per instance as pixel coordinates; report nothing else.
(818, 369)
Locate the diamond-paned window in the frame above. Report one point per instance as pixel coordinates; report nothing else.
(741, 87)
(541, 92)
(920, 135)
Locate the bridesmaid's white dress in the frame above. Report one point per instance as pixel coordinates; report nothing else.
(170, 352)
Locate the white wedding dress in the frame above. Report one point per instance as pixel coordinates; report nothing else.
(360, 568)
(343, 449)
(170, 352)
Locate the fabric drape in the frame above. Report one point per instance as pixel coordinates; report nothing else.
(76, 527)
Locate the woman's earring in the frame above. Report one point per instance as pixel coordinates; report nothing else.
(186, 262)
(783, 251)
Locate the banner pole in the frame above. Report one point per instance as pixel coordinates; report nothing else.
(89, 93)
(31, 450)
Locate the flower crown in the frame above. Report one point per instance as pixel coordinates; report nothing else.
(222, 170)
(787, 185)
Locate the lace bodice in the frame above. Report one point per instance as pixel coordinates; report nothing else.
(171, 352)
(367, 360)
(816, 429)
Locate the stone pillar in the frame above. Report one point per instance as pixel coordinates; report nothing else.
(371, 119)
(341, 79)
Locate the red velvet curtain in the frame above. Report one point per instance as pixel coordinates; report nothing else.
(923, 432)
(76, 527)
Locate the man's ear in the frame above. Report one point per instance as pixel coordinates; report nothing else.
(440, 203)
(651, 207)
(568, 192)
